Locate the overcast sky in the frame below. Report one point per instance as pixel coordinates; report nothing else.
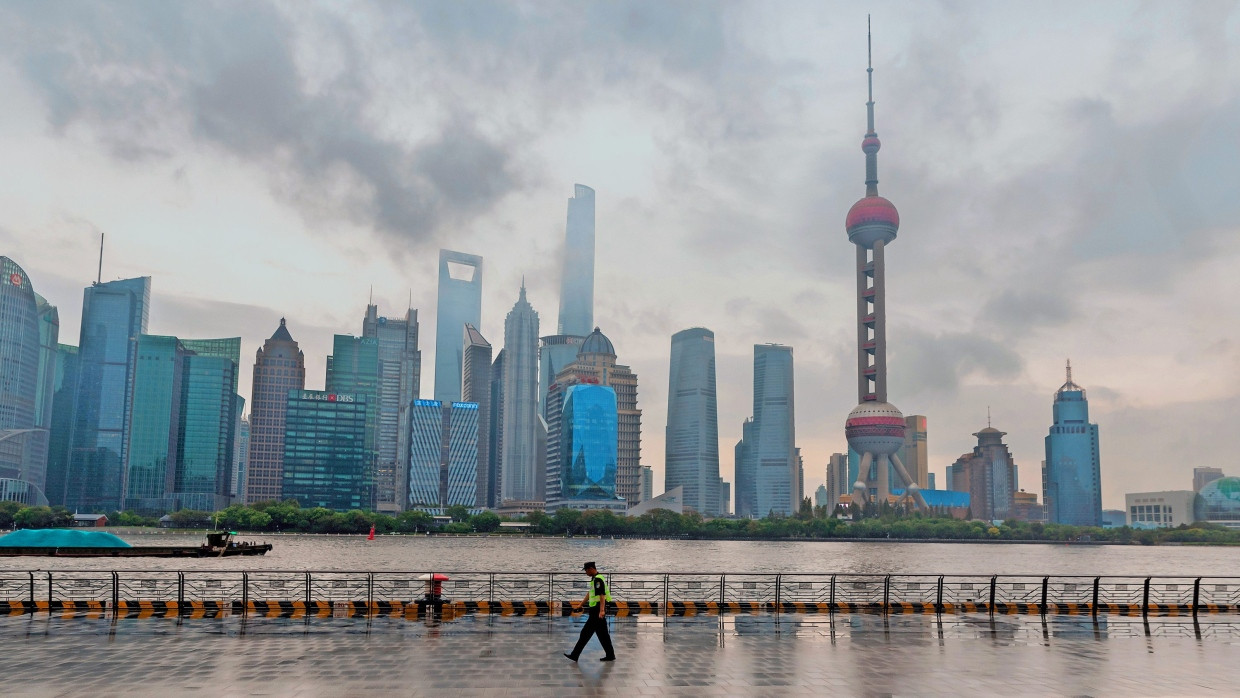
(1067, 174)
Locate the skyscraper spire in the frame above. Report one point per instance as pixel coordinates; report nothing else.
(1069, 370)
(870, 144)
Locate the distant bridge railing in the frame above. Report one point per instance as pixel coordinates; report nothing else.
(633, 591)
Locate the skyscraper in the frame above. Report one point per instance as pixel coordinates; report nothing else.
(1203, 476)
(577, 279)
(495, 432)
(582, 440)
(210, 413)
(443, 464)
(520, 456)
(241, 457)
(692, 443)
(460, 303)
(61, 430)
(23, 386)
(114, 314)
(596, 363)
(326, 459)
(875, 428)
(353, 368)
(400, 377)
(279, 366)
(914, 454)
(155, 416)
(647, 483)
(746, 473)
(183, 426)
(45, 384)
(838, 481)
(576, 294)
(989, 475)
(767, 455)
(1071, 476)
(476, 388)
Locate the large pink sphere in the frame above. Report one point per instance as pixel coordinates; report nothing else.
(875, 427)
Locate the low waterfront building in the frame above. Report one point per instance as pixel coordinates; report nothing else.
(1159, 509)
(672, 500)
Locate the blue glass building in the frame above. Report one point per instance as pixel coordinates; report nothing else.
(209, 417)
(154, 417)
(692, 443)
(64, 383)
(443, 458)
(768, 473)
(577, 277)
(460, 303)
(588, 443)
(1071, 477)
(354, 368)
(23, 454)
(325, 455)
(114, 314)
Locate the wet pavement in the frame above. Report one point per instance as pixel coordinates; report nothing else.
(762, 654)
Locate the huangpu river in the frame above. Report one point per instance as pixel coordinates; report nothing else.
(507, 553)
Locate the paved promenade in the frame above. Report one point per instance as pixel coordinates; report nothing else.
(764, 654)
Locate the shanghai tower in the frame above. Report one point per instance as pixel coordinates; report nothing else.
(577, 279)
(875, 428)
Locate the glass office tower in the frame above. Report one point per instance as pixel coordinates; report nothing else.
(400, 375)
(692, 444)
(588, 440)
(767, 464)
(61, 431)
(354, 368)
(577, 278)
(114, 314)
(460, 303)
(23, 451)
(153, 425)
(326, 463)
(443, 462)
(1071, 476)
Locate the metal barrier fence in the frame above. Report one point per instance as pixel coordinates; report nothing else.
(1026, 593)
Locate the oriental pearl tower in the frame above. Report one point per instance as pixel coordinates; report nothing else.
(875, 428)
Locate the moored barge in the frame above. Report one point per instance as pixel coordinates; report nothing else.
(74, 543)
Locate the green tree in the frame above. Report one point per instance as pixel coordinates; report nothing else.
(486, 522)
(413, 521)
(459, 512)
(7, 511)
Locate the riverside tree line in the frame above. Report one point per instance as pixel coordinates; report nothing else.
(815, 523)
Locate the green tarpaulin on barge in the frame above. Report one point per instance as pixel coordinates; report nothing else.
(61, 538)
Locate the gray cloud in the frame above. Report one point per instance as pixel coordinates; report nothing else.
(936, 364)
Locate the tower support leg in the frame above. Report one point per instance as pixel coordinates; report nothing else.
(862, 485)
(914, 489)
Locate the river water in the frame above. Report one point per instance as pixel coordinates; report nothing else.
(518, 554)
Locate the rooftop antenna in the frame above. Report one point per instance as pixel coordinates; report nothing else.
(1069, 370)
(99, 275)
(371, 299)
(988, 416)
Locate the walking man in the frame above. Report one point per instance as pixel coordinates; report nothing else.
(595, 605)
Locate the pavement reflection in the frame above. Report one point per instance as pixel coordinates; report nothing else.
(759, 654)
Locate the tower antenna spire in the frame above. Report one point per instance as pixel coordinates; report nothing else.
(99, 274)
(870, 145)
(1069, 370)
(988, 415)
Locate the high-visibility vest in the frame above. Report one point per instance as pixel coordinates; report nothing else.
(592, 598)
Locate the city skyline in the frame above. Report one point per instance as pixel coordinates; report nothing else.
(1070, 249)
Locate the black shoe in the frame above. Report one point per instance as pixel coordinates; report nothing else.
(570, 657)
(604, 659)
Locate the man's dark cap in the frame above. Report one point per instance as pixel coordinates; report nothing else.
(588, 566)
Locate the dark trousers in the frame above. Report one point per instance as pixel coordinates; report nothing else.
(594, 625)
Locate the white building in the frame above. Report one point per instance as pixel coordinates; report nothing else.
(1159, 509)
